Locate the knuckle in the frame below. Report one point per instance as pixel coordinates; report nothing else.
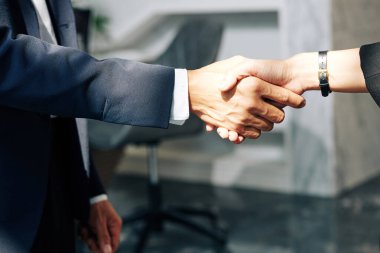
(252, 134)
(256, 135)
(238, 128)
(243, 119)
(264, 111)
(285, 97)
(254, 105)
(255, 85)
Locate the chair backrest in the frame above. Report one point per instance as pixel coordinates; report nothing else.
(196, 45)
(82, 18)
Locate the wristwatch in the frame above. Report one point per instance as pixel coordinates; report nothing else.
(323, 74)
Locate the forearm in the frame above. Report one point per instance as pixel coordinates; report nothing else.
(344, 70)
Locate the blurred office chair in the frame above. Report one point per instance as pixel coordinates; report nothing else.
(82, 23)
(195, 45)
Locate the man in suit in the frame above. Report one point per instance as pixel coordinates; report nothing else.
(47, 178)
(44, 166)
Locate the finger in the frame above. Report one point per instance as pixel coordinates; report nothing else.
(208, 120)
(284, 96)
(240, 140)
(262, 124)
(115, 230)
(251, 133)
(223, 132)
(278, 105)
(268, 112)
(209, 128)
(103, 236)
(261, 117)
(93, 246)
(88, 238)
(233, 136)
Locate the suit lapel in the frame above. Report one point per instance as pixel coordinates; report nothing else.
(64, 25)
(63, 20)
(30, 17)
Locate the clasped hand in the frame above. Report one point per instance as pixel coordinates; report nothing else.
(242, 97)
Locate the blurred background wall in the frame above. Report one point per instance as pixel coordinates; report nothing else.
(357, 117)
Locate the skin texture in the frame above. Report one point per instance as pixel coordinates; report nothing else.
(102, 232)
(246, 108)
(298, 74)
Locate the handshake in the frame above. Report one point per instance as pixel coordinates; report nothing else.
(243, 97)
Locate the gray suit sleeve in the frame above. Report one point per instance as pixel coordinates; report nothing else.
(49, 79)
(370, 64)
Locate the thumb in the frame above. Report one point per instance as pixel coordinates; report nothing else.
(103, 236)
(236, 74)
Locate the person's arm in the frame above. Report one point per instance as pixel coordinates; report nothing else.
(300, 73)
(343, 66)
(44, 78)
(49, 79)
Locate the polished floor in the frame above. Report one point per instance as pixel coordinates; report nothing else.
(261, 222)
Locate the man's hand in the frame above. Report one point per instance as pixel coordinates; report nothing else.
(102, 232)
(246, 109)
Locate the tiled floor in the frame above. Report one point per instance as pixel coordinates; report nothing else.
(262, 222)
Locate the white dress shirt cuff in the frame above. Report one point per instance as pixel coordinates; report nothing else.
(180, 104)
(98, 199)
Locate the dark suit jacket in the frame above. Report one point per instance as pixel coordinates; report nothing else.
(370, 63)
(38, 79)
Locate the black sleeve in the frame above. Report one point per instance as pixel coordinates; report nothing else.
(370, 64)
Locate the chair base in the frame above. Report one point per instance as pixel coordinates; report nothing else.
(154, 216)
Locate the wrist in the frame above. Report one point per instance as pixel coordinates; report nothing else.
(303, 69)
(195, 103)
(204, 95)
(191, 75)
(345, 73)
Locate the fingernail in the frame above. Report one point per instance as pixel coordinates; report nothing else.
(107, 249)
(303, 103)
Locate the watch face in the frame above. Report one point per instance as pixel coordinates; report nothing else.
(323, 74)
